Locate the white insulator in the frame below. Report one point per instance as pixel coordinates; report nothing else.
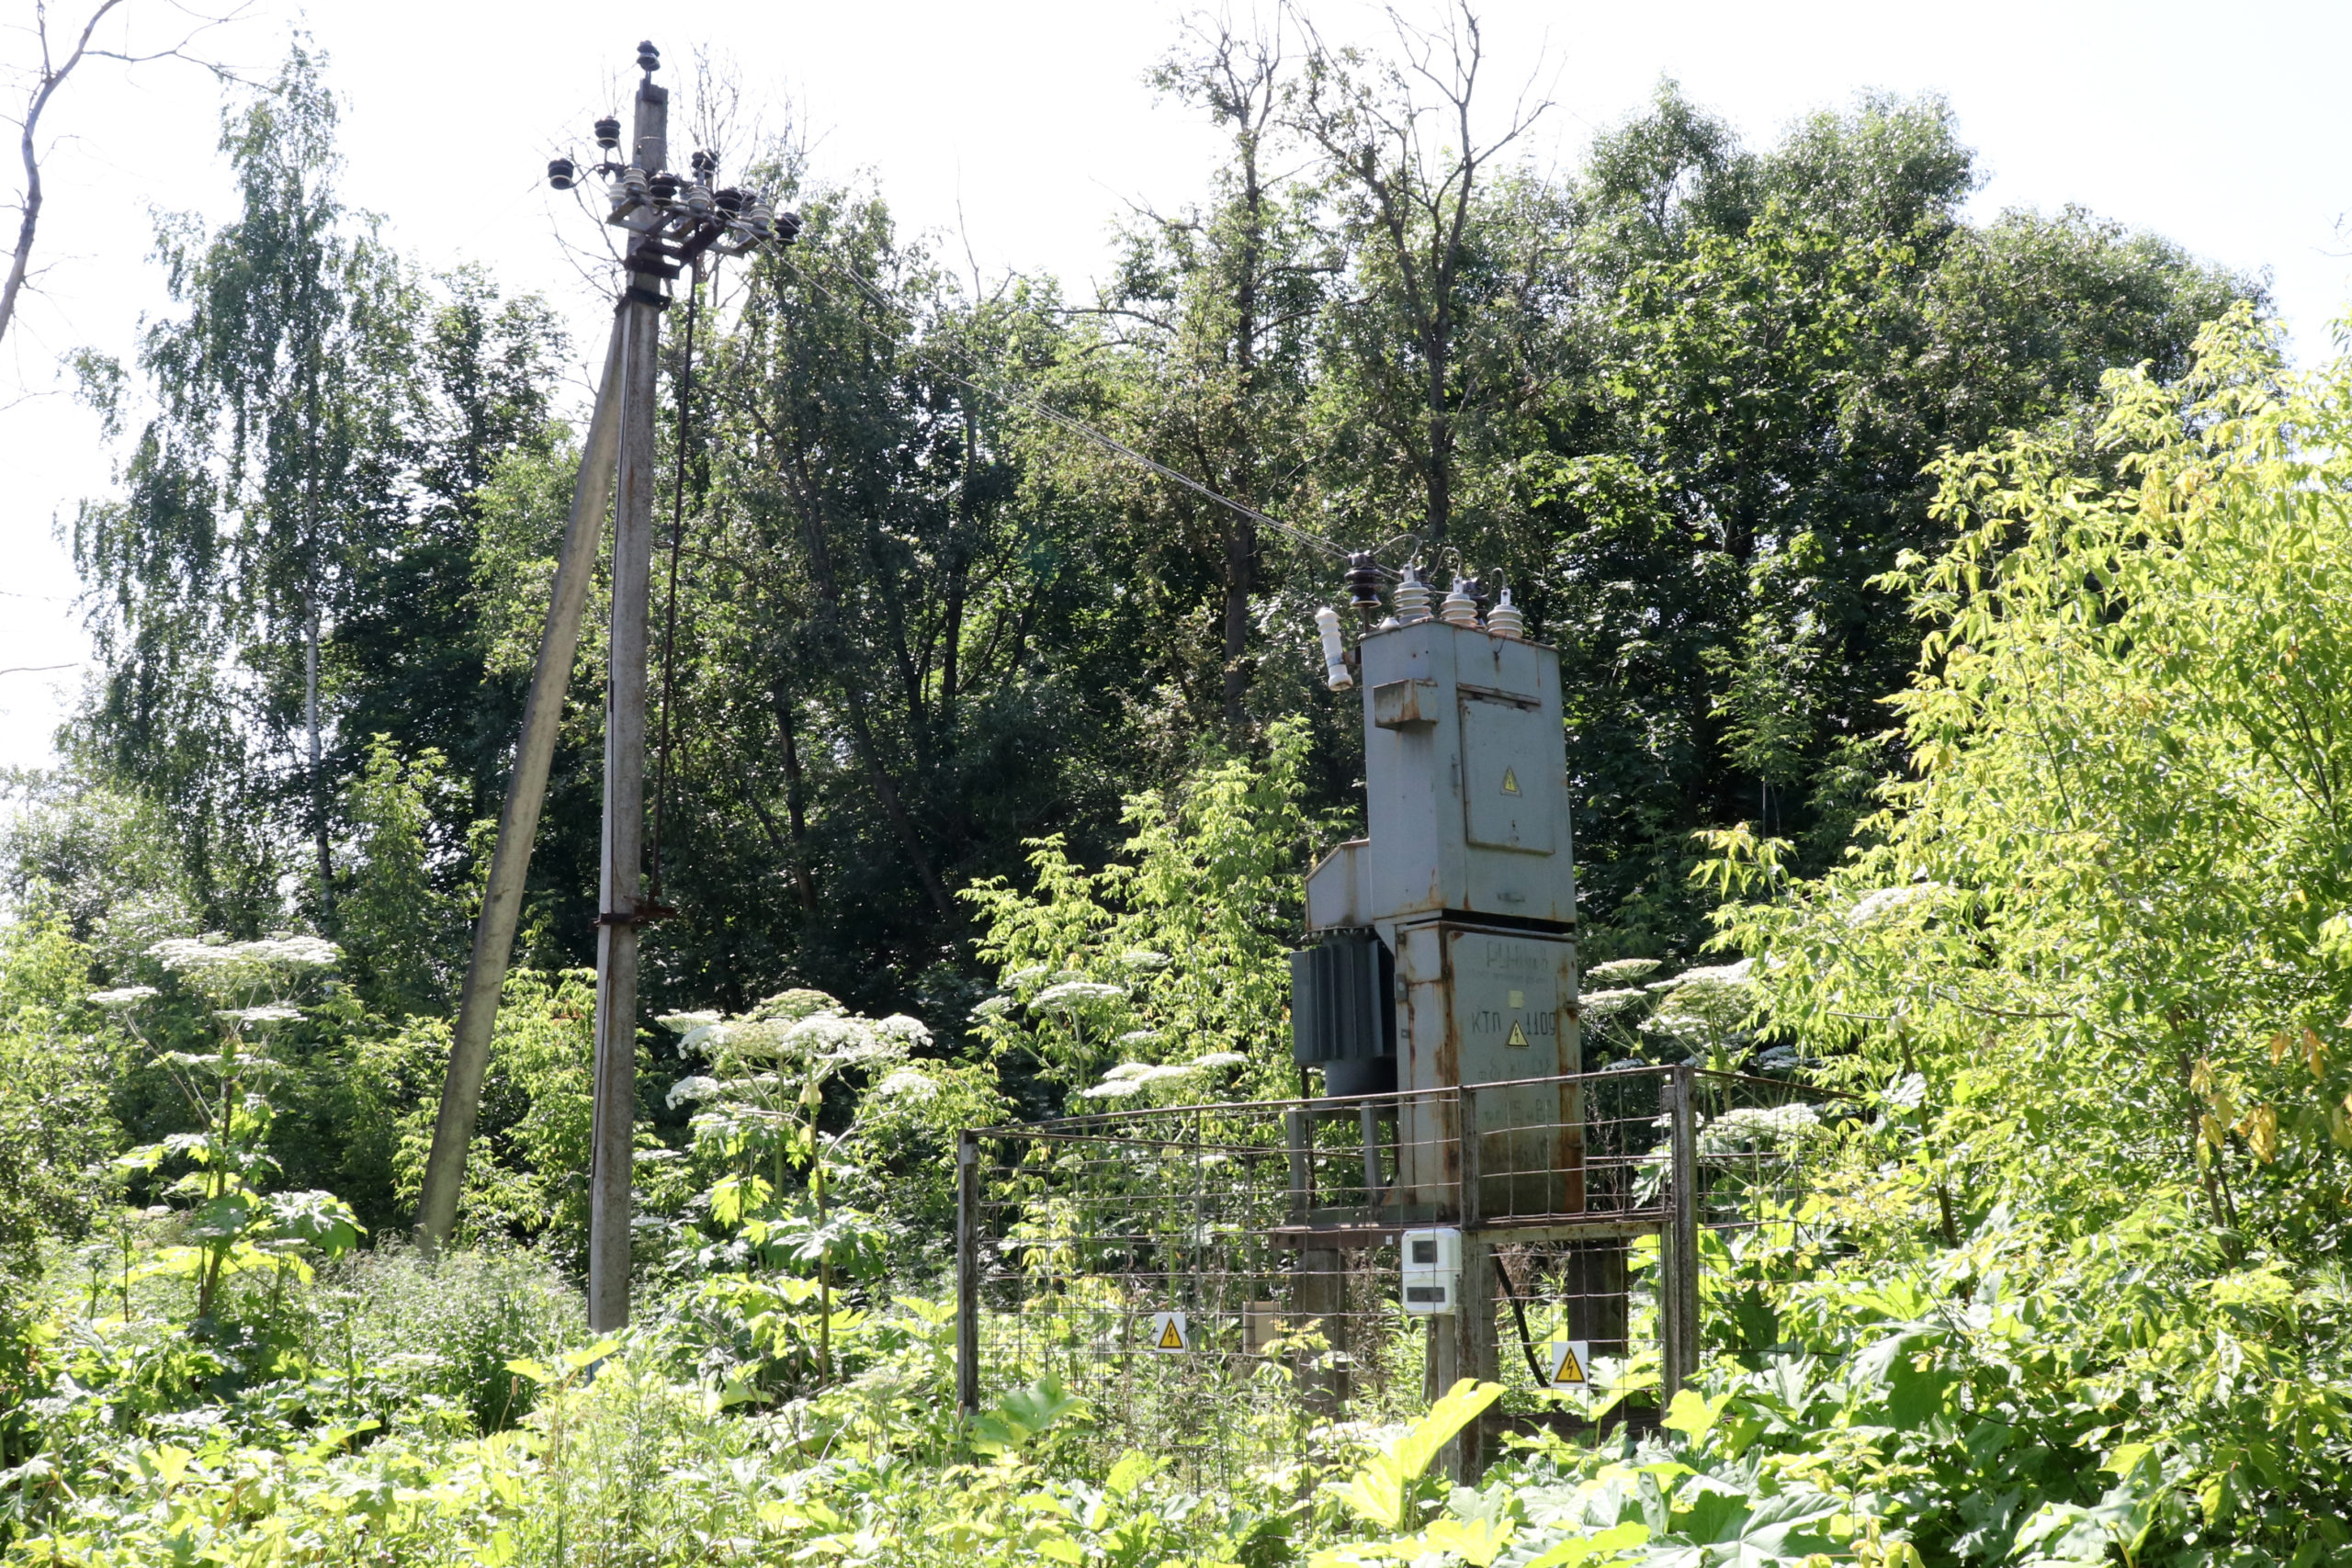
(1412, 597)
(1459, 608)
(698, 199)
(1335, 655)
(763, 219)
(1505, 619)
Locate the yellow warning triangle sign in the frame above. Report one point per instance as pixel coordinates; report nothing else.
(1169, 1338)
(1511, 780)
(1567, 1362)
(1518, 1035)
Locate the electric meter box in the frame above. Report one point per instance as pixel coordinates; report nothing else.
(1432, 1271)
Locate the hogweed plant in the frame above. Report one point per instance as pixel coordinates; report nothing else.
(760, 1102)
(231, 1223)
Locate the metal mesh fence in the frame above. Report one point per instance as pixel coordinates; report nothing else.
(1215, 1280)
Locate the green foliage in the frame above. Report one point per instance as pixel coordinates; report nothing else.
(1182, 948)
(398, 927)
(56, 1134)
(232, 1226)
(526, 1173)
(101, 859)
(1382, 1492)
(2106, 910)
(442, 1330)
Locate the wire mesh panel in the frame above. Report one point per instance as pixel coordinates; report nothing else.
(1215, 1280)
(1758, 1142)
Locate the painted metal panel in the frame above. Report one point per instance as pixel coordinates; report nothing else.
(1512, 763)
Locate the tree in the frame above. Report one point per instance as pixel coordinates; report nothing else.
(1218, 306)
(2107, 909)
(285, 403)
(408, 654)
(1735, 457)
(41, 84)
(1399, 145)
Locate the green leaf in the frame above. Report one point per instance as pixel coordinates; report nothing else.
(1131, 1471)
(576, 1361)
(1378, 1492)
(1025, 1414)
(1608, 1543)
(1693, 1416)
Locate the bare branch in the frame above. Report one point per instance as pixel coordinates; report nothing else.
(51, 76)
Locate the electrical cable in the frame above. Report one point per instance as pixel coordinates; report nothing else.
(1054, 416)
(670, 611)
(1518, 1315)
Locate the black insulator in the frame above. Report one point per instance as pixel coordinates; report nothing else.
(704, 165)
(787, 226)
(730, 201)
(561, 173)
(608, 133)
(1363, 581)
(664, 187)
(648, 58)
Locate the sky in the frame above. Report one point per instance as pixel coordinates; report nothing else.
(1020, 130)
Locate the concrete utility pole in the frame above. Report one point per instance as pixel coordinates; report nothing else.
(621, 882)
(671, 223)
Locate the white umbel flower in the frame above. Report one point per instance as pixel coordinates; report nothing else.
(274, 1012)
(1886, 901)
(1073, 994)
(908, 1083)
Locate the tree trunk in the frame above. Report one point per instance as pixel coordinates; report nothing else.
(28, 221)
(310, 722)
(1240, 577)
(795, 798)
(885, 791)
(1241, 533)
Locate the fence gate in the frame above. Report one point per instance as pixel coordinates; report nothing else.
(1216, 1280)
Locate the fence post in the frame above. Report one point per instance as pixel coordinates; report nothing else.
(1678, 1250)
(1473, 1319)
(1296, 1146)
(967, 1273)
